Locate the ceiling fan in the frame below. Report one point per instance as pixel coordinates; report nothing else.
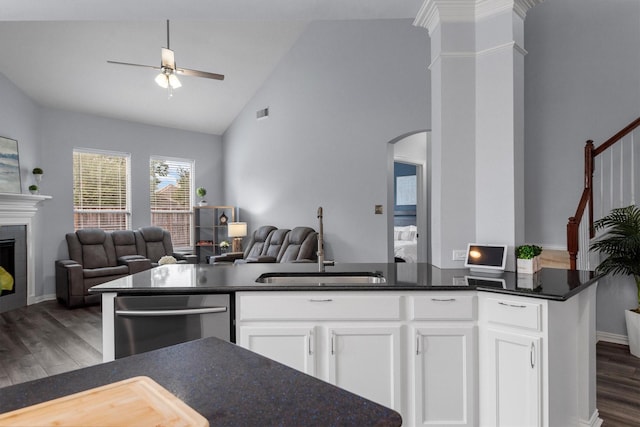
(168, 78)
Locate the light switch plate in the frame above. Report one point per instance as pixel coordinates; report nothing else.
(459, 255)
(378, 210)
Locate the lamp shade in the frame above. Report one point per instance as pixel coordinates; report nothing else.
(237, 229)
(162, 80)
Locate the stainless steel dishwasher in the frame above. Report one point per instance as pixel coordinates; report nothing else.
(144, 323)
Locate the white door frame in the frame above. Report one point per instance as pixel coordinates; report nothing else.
(423, 214)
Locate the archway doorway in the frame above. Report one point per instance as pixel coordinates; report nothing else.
(408, 183)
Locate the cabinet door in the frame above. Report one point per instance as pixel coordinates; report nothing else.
(366, 361)
(444, 376)
(514, 382)
(291, 346)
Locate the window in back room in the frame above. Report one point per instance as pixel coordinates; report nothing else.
(101, 189)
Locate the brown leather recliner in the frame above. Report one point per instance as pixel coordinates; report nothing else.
(93, 260)
(253, 249)
(269, 244)
(301, 245)
(155, 242)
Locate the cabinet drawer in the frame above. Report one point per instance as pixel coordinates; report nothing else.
(317, 306)
(514, 313)
(443, 307)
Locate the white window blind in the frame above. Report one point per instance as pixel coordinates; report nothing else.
(171, 202)
(101, 188)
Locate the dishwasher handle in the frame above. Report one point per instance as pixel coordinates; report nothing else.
(179, 312)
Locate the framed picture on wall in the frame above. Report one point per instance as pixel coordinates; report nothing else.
(9, 166)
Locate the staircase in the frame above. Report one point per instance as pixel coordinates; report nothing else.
(611, 180)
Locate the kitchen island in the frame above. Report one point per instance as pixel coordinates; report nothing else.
(442, 347)
(226, 384)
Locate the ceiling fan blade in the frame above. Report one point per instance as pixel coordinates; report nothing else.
(134, 65)
(197, 73)
(168, 59)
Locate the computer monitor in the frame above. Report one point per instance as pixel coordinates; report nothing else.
(485, 258)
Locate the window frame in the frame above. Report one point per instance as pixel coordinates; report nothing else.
(127, 211)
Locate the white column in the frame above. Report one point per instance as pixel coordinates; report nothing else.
(452, 67)
(477, 78)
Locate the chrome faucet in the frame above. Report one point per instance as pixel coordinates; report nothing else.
(320, 242)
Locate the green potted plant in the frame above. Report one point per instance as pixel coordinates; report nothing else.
(528, 258)
(201, 192)
(33, 189)
(620, 243)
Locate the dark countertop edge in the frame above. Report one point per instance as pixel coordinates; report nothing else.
(532, 294)
(218, 289)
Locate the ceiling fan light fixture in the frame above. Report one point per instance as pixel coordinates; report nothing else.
(173, 81)
(162, 80)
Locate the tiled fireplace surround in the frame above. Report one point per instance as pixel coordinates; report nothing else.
(20, 209)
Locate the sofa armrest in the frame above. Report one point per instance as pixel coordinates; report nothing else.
(69, 282)
(189, 258)
(263, 259)
(135, 263)
(230, 257)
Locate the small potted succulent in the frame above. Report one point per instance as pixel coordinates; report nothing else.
(34, 189)
(528, 259)
(201, 192)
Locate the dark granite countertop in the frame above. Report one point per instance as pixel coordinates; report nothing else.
(228, 385)
(552, 284)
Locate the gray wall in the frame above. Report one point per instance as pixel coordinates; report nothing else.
(19, 118)
(338, 97)
(582, 81)
(47, 137)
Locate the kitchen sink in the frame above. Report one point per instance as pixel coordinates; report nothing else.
(322, 278)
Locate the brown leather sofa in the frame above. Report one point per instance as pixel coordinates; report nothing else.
(97, 256)
(269, 244)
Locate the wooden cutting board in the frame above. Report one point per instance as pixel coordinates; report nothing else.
(137, 401)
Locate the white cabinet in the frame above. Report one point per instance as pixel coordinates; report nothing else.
(444, 358)
(366, 361)
(537, 360)
(352, 340)
(515, 379)
(289, 345)
(460, 358)
(443, 376)
(511, 361)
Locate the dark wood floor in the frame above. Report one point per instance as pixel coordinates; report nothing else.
(618, 385)
(46, 339)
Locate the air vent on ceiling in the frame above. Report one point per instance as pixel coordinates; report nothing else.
(262, 114)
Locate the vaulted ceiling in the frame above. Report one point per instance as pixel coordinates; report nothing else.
(56, 52)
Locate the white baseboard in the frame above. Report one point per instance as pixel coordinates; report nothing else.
(595, 420)
(41, 298)
(614, 338)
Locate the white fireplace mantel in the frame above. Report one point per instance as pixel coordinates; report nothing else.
(19, 209)
(19, 204)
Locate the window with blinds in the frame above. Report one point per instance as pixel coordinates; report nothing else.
(171, 203)
(101, 189)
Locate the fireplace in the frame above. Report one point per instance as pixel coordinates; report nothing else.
(17, 223)
(13, 267)
(7, 267)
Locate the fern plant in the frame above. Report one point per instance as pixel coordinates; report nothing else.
(620, 244)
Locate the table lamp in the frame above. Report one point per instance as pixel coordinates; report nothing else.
(236, 231)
